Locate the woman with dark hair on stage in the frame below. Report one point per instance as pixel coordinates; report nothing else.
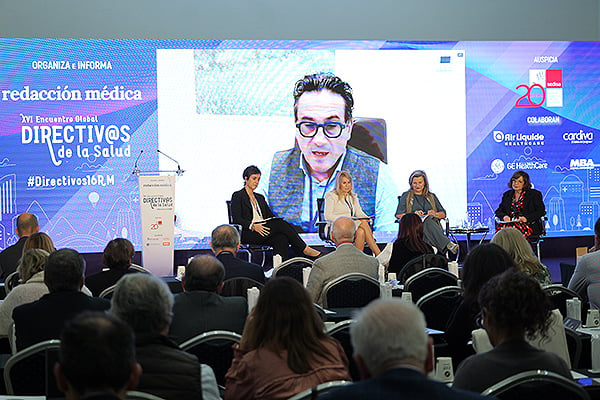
(522, 207)
(513, 307)
(284, 349)
(259, 224)
(421, 201)
(409, 244)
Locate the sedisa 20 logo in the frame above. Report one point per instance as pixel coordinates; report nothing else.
(545, 88)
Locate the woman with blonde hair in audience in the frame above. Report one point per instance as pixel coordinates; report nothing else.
(515, 244)
(284, 349)
(39, 240)
(31, 270)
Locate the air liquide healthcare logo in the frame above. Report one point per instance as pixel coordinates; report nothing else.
(518, 139)
(545, 89)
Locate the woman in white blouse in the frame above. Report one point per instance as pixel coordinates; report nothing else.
(343, 202)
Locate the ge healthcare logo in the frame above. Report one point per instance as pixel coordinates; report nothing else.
(497, 166)
(545, 88)
(518, 139)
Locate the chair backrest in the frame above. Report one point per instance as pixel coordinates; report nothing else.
(437, 306)
(350, 290)
(536, 384)
(139, 268)
(12, 338)
(316, 391)
(239, 286)
(556, 341)
(214, 349)
(293, 268)
(420, 263)
(574, 346)
(11, 281)
(322, 225)
(427, 280)
(31, 371)
(108, 292)
(135, 395)
(559, 295)
(229, 214)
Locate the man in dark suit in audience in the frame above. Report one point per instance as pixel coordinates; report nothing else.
(394, 356)
(27, 224)
(44, 319)
(225, 242)
(97, 358)
(199, 308)
(344, 260)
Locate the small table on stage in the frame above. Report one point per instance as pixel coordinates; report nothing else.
(469, 231)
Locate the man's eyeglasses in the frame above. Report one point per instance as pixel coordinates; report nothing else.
(331, 129)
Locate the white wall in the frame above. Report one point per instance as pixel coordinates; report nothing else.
(308, 19)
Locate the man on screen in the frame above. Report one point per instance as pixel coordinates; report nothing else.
(323, 106)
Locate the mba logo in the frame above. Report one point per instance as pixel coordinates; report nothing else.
(545, 89)
(582, 163)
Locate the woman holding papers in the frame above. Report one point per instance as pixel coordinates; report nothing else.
(259, 224)
(522, 207)
(421, 201)
(343, 202)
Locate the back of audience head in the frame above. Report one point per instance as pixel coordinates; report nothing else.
(482, 263)
(39, 240)
(118, 254)
(388, 333)
(285, 318)
(343, 230)
(97, 353)
(224, 237)
(64, 271)
(515, 244)
(204, 273)
(144, 302)
(32, 262)
(27, 224)
(515, 306)
(411, 231)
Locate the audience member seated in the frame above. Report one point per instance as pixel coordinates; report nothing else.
(145, 303)
(9, 258)
(44, 319)
(481, 264)
(394, 356)
(410, 243)
(344, 260)
(199, 308)
(284, 349)
(31, 270)
(513, 306)
(39, 240)
(97, 358)
(117, 257)
(225, 242)
(515, 244)
(586, 277)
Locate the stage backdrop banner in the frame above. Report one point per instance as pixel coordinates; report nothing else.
(157, 205)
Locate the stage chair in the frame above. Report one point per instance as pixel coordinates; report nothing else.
(316, 391)
(239, 286)
(420, 263)
(30, 371)
(249, 249)
(437, 306)
(427, 280)
(537, 384)
(293, 268)
(350, 290)
(214, 349)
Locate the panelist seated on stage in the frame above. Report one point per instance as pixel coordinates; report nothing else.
(343, 202)
(259, 223)
(419, 200)
(522, 207)
(225, 242)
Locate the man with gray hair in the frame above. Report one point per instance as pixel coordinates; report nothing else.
(145, 303)
(225, 243)
(200, 308)
(394, 355)
(344, 260)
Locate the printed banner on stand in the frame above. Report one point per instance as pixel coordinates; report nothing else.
(157, 201)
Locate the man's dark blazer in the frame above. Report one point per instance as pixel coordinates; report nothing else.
(234, 267)
(44, 319)
(99, 281)
(199, 311)
(9, 257)
(241, 209)
(533, 208)
(402, 384)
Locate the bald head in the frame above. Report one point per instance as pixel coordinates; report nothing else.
(27, 224)
(224, 237)
(343, 230)
(203, 273)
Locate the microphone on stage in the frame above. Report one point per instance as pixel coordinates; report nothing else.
(135, 166)
(179, 170)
